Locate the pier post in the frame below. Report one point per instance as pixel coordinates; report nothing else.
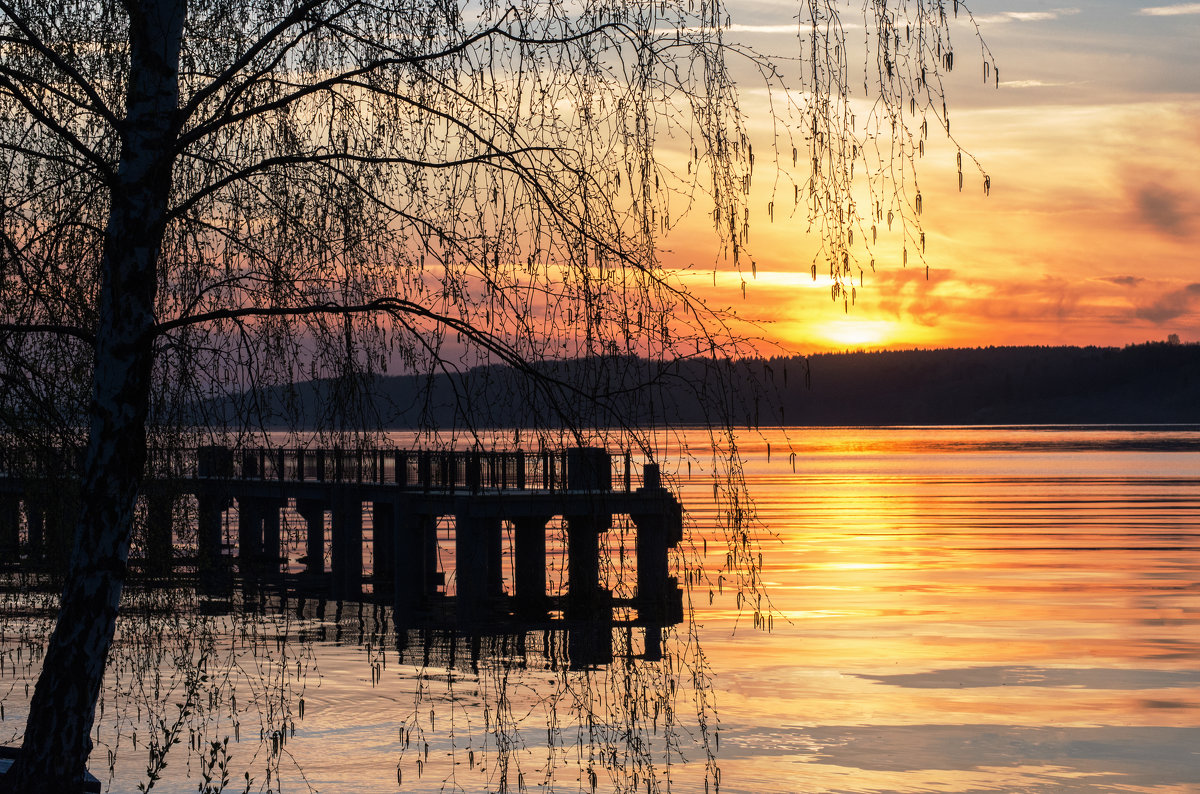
(212, 462)
(313, 513)
(10, 527)
(529, 566)
(61, 511)
(250, 468)
(271, 523)
(250, 526)
(347, 549)
(476, 548)
(651, 566)
(383, 544)
(415, 553)
(659, 599)
(160, 510)
(209, 509)
(583, 561)
(35, 528)
(588, 469)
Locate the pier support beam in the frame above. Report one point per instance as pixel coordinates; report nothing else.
(160, 530)
(258, 530)
(35, 528)
(415, 582)
(583, 563)
(62, 511)
(529, 566)
(652, 584)
(477, 565)
(250, 539)
(383, 544)
(659, 599)
(10, 527)
(271, 518)
(209, 511)
(346, 549)
(313, 513)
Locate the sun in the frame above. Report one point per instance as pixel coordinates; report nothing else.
(856, 333)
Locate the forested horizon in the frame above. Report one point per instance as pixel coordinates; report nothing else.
(1154, 382)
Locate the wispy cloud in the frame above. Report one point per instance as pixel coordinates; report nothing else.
(1163, 209)
(1171, 11)
(1026, 16)
(1035, 83)
(1171, 305)
(1122, 281)
(792, 28)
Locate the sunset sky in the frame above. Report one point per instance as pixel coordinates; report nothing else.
(1089, 235)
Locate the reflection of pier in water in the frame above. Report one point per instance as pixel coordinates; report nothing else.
(493, 508)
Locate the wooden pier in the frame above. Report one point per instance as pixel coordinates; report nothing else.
(241, 495)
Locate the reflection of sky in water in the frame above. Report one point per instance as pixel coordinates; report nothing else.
(957, 610)
(988, 609)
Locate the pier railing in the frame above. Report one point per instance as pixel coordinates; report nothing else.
(576, 468)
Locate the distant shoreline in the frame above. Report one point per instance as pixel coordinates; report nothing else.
(1151, 384)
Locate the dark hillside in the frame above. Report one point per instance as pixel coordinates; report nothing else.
(1152, 383)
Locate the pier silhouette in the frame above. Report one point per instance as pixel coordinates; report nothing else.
(475, 499)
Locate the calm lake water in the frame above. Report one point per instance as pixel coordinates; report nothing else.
(950, 610)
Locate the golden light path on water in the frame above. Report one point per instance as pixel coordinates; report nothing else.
(955, 610)
(970, 609)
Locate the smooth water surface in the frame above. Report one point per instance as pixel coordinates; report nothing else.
(970, 609)
(949, 610)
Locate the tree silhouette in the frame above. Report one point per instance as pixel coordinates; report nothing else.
(200, 197)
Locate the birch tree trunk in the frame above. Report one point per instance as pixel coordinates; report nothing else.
(58, 731)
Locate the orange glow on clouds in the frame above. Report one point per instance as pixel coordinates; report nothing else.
(1090, 233)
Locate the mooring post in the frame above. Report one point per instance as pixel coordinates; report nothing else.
(652, 648)
(347, 550)
(313, 513)
(529, 565)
